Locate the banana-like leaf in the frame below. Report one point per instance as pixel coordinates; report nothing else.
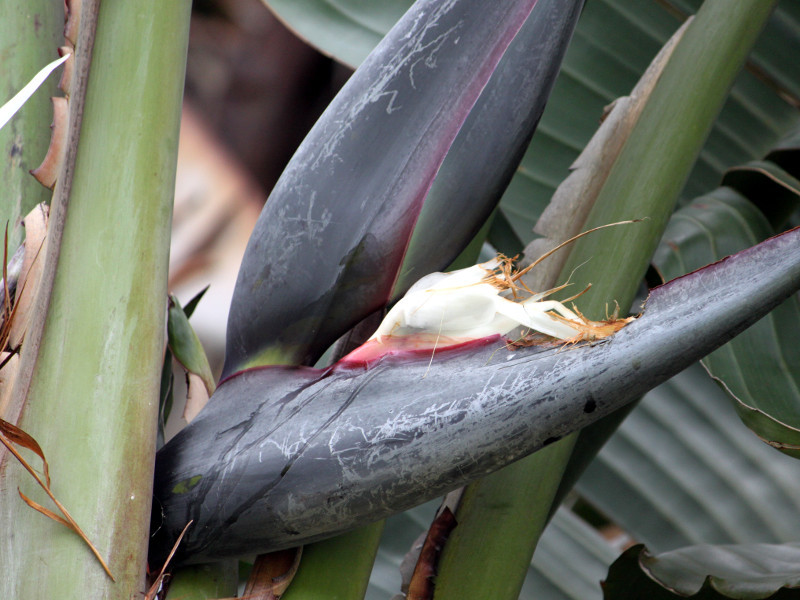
(328, 245)
(684, 470)
(759, 369)
(284, 456)
(346, 31)
(571, 559)
(766, 180)
(744, 572)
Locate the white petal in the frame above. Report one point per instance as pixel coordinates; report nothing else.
(452, 311)
(463, 305)
(461, 278)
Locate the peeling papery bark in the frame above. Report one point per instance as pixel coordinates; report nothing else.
(79, 34)
(47, 172)
(286, 456)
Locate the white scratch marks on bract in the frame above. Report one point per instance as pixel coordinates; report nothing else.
(416, 48)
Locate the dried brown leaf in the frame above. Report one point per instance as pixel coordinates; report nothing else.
(17, 436)
(9, 365)
(11, 434)
(154, 589)
(272, 573)
(45, 511)
(65, 83)
(423, 581)
(73, 20)
(47, 172)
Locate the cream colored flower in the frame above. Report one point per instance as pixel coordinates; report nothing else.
(467, 304)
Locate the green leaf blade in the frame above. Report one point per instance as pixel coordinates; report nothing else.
(186, 346)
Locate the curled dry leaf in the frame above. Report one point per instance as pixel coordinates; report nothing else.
(65, 83)
(45, 511)
(10, 435)
(73, 20)
(47, 172)
(9, 365)
(424, 579)
(17, 436)
(155, 588)
(272, 573)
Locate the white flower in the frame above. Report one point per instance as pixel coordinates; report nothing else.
(467, 305)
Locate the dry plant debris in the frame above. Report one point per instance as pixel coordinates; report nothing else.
(158, 583)
(10, 435)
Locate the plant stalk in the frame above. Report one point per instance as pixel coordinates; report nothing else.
(93, 398)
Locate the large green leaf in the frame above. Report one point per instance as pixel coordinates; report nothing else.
(761, 369)
(751, 572)
(569, 561)
(347, 30)
(684, 470)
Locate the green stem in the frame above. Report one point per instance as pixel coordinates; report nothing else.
(93, 399)
(200, 582)
(503, 516)
(338, 568)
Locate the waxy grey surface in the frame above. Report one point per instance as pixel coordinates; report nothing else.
(285, 456)
(329, 243)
